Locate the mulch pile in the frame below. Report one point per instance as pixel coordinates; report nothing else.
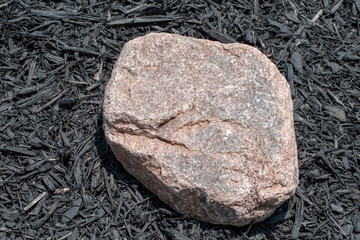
(58, 178)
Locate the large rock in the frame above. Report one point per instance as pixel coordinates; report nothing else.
(207, 127)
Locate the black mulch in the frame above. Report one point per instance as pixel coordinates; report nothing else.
(58, 178)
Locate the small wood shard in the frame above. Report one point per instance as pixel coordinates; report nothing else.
(41, 221)
(50, 102)
(35, 201)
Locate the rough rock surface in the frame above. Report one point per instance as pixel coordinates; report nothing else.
(207, 127)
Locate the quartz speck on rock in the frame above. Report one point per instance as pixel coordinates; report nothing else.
(208, 127)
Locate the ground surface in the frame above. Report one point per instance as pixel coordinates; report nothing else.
(59, 180)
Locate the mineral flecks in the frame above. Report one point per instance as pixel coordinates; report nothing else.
(208, 127)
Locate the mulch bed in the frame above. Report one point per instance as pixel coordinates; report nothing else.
(58, 178)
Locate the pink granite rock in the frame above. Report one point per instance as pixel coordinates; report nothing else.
(208, 127)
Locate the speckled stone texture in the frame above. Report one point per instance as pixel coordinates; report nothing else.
(208, 127)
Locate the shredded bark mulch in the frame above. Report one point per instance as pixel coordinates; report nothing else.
(58, 178)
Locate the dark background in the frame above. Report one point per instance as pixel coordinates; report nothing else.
(55, 60)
